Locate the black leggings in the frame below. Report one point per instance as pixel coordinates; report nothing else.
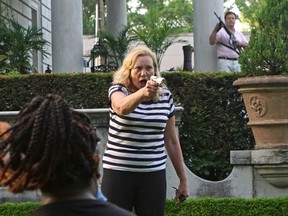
(145, 192)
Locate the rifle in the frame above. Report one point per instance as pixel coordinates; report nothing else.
(232, 38)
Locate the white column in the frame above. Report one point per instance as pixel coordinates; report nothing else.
(67, 33)
(205, 59)
(116, 16)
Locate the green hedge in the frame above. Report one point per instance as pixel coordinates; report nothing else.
(213, 121)
(229, 207)
(17, 209)
(191, 207)
(81, 90)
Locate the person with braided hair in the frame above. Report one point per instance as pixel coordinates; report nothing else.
(52, 147)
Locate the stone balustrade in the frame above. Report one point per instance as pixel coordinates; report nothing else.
(244, 181)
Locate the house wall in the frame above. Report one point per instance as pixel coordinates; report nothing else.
(28, 13)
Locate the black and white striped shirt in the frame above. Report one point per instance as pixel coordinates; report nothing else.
(136, 141)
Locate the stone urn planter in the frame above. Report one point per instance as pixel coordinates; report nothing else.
(266, 103)
(265, 90)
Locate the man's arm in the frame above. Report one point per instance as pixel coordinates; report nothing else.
(212, 38)
(243, 42)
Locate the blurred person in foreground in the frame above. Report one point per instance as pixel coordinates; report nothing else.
(141, 130)
(51, 147)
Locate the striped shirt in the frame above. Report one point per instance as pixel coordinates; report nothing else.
(136, 141)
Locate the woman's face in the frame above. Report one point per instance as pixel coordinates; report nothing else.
(142, 71)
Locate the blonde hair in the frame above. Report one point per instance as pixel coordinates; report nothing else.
(122, 75)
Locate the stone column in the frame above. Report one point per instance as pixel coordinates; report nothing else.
(67, 36)
(204, 22)
(116, 16)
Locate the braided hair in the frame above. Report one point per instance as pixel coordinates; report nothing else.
(49, 146)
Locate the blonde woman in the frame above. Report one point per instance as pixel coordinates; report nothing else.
(141, 130)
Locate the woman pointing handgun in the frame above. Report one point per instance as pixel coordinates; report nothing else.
(141, 130)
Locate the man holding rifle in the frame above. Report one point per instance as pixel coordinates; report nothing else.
(229, 42)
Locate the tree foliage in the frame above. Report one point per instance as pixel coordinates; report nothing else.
(160, 23)
(89, 15)
(178, 12)
(268, 47)
(158, 33)
(248, 9)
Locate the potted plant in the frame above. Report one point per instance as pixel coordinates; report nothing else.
(265, 90)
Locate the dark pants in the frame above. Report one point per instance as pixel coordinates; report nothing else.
(145, 192)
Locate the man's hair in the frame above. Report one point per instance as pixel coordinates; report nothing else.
(122, 75)
(229, 13)
(50, 146)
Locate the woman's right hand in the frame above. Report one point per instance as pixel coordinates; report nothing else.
(151, 90)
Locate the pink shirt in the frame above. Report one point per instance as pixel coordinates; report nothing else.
(223, 37)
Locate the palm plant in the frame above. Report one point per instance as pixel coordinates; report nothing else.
(4, 51)
(18, 44)
(158, 33)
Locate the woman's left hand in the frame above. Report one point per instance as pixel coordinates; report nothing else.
(181, 193)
